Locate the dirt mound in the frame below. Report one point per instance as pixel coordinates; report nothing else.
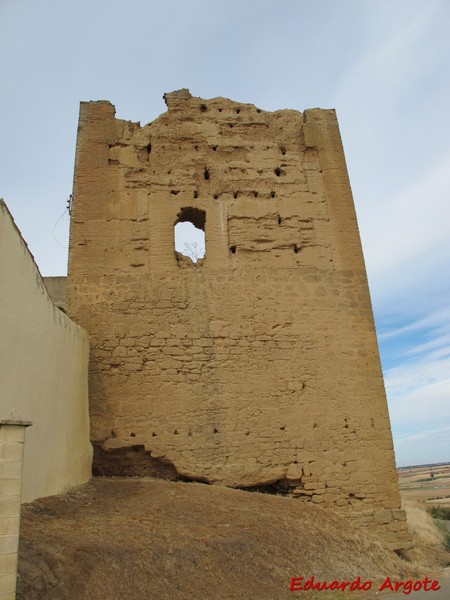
(133, 539)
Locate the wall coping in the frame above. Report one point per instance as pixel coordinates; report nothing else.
(16, 422)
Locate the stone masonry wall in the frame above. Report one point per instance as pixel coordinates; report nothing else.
(259, 364)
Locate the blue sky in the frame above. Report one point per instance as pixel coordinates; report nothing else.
(384, 66)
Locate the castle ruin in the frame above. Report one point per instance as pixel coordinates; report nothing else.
(258, 365)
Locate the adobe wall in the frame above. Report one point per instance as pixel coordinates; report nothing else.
(258, 364)
(43, 373)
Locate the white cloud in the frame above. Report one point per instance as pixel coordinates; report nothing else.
(420, 427)
(437, 320)
(437, 348)
(418, 387)
(418, 396)
(426, 446)
(393, 123)
(423, 365)
(423, 398)
(415, 222)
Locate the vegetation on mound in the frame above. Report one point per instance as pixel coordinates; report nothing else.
(430, 542)
(146, 538)
(440, 512)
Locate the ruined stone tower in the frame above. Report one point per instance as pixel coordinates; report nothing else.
(259, 364)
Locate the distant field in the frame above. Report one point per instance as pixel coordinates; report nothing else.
(429, 484)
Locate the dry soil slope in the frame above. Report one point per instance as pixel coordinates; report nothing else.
(152, 539)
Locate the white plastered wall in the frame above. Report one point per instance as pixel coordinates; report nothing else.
(43, 372)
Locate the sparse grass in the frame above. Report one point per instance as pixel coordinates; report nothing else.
(446, 535)
(422, 524)
(429, 540)
(440, 512)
